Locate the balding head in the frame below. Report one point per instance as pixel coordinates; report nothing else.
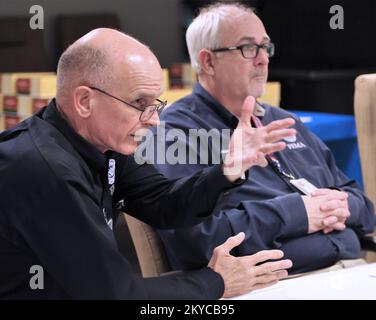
(105, 81)
(100, 58)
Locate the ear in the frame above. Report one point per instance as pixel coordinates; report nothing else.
(82, 101)
(207, 61)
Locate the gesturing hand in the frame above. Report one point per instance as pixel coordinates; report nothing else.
(248, 146)
(245, 274)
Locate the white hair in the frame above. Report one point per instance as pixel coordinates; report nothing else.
(204, 32)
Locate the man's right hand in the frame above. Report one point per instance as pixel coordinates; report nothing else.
(249, 146)
(244, 274)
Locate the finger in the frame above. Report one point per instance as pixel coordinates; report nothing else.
(251, 157)
(264, 255)
(277, 135)
(269, 148)
(331, 194)
(321, 192)
(262, 162)
(330, 221)
(271, 277)
(231, 243)
(258, 159)
(335, 195)
(280, 124)
(339, 226)
(247, 110)
(327, 230)
(272, 266)
(333, 204)
(340, 213)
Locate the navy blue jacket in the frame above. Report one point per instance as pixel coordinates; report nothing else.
(56, 211)
(267, 209)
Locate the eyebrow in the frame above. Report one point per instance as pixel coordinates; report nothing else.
(253, 39)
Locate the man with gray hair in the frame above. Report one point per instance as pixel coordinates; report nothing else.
(301, 202)
(64, 170)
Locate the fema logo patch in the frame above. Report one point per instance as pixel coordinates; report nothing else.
(291, 139)
(296, 145)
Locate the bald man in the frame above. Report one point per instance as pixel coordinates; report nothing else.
(64, 169)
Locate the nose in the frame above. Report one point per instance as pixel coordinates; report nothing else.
(262, 58)
(153, 121)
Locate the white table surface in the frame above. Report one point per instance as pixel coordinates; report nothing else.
(356, 283)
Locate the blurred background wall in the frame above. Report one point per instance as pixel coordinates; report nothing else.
(155, 22)
(315, 64)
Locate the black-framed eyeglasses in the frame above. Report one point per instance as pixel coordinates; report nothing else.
(250, 51)
(146, 113)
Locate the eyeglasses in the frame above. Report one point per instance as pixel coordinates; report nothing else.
(146, 113)
(250, 51)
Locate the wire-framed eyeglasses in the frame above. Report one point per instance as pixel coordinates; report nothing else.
(146, 113)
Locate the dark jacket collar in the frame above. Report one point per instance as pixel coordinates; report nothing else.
(219, 108)
(88, 152)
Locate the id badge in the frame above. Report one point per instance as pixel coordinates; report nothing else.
(303, 186)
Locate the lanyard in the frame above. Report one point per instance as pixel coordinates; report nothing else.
(276, 165)
(272, 160)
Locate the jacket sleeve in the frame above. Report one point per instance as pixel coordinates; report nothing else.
(64, 228)
(165, 203)
(264, 223)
